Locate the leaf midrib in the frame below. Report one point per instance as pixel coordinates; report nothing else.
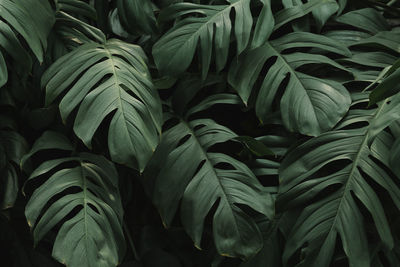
(212, 19)
(293, 73)
(205, 154)
(355, 165)
(116, 82)
(85, 204)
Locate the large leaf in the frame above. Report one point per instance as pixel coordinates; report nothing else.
(307, 172)
(212, 27)
(70, 29)
(109, 79)
(295, 9)
(92, 234)
(389, 86)
(188, 175)
(367, 19)
(309, 105)
(321, 13)
(21, 18)
(388, 40)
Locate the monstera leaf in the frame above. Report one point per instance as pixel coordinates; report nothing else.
(309, 105)
(105, 79)
(20, 17)
(360, 156)
(185, 172)
(92, 235)
(71, 29)
(212, 27)
(367, 19)
(389, 86)
(321, 14)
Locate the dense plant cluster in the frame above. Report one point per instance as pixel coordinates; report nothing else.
(250, 133)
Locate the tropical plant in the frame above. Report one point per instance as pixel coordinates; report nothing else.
(260, 133)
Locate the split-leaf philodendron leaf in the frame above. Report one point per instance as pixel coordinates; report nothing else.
(184, 133)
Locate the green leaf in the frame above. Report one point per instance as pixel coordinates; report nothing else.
(305, 173)
(367, 19)
(174, 51)
(71, 30)
(324, 12)
(184, 172)
(388, 87)
(297, 11)
(24, 18)
(255, 146)
(270, 253)
(3, 71)
(347, 37)
(76, 7)
(371, 59)
(264, 26)
(309, 105)
(137, 16)
(384, 40)
(93, 235)
(48, 140)
(110, 79)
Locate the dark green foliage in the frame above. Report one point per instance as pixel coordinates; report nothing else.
(249, 133)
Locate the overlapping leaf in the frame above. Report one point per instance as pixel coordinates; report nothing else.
(389, 86)
(91, 217)
(212, 27)
(137, 16)
(305, 174)
(185, 172)
(309, 105)
(321, 14)
(109, 79)
(21, 18)
(71, 28)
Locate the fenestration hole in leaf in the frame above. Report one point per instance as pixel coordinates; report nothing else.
(68, 191)
(279, 93)
(183, 140)
(324, 193)
(200, 166)
(264, 70)
(332, 167)
(356, 125)
(31, 185)
(360, 105)
(51, 235)
(198, 127)
(224, 166)
(207, 239)
(367, 219)
(93, 208)
(381, 193)
(386, 170)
